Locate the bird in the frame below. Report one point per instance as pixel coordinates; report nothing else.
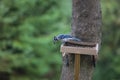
(64, 38)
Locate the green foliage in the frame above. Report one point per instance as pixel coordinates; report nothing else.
(26, 31)
(108, 67)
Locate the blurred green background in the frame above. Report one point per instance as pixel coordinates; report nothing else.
(26, 31)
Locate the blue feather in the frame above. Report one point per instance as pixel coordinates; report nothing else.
(65, 37)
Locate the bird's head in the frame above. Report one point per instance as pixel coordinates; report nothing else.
(55, 39)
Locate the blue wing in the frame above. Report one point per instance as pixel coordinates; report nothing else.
(62, 36)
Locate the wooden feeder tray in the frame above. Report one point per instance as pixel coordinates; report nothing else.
(85, 48)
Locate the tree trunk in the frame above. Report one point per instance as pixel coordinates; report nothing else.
(86, 25)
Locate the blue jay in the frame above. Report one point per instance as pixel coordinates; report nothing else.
(64, 38)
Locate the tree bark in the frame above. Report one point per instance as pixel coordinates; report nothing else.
(86, 25)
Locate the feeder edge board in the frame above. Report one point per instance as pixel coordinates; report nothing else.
(79, 50)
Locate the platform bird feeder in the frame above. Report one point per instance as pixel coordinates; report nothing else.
(74, 47)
